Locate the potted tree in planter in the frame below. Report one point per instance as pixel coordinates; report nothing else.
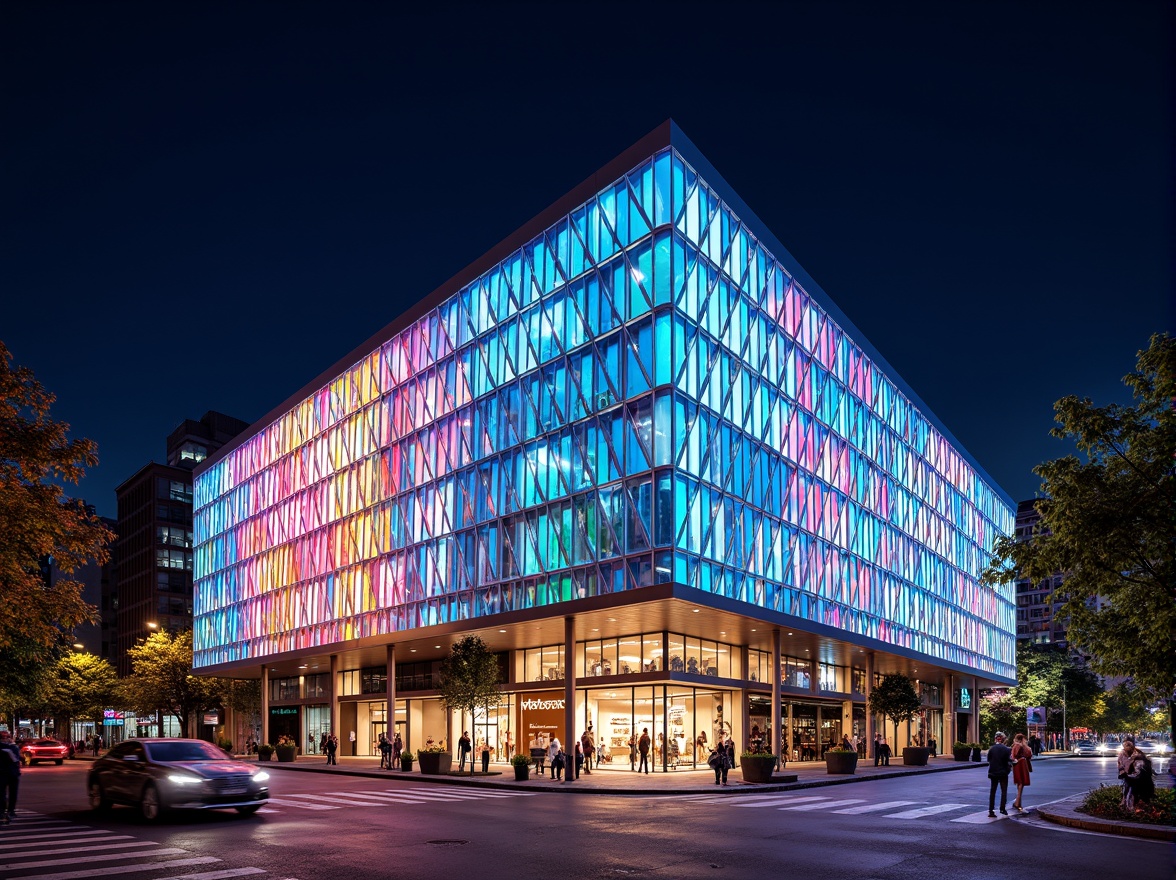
(976, 747)
(469, 681)
(839, 760)
(406, 761)
(286, 749)
(758, 766)
(896, 698)
(265, 751)
(961, 751)
(522, 767)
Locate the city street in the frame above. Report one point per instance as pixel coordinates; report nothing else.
(326, 827)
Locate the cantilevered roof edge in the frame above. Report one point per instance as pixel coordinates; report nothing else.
(726, 192)
(614, 170)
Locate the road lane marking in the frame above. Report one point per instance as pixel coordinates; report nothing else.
(820, 807)
(870, 808)
(769, 801)
(216, 875)
(55, 839)
(76, 849)
(122, 869)
(52, 863)
(927, 811)
(301, 804)
(981, 818)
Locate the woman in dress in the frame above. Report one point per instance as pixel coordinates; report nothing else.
(1022, 761)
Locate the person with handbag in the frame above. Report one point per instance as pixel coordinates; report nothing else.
(721, 760)
(1022, 761)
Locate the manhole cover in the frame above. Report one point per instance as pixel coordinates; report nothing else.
(446, 842)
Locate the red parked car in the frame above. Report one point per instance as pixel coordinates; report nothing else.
(44, 749)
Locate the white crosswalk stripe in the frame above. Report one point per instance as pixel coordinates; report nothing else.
(386, 797)
(873, 808)
(824, 806)
(927, 811)
(38, 848)
(979, 818)
(780, 800)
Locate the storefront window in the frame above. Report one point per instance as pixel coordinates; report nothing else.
(629, 654)
(349, 683)
(316, 686)
(653, 659)
(676, 653)
(318, 724)
(544, 664)
(796, 673)
(832, 677)
(859, 680)
(284, 689)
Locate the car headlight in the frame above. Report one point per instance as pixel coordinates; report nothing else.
(184, 779)
(260, 776)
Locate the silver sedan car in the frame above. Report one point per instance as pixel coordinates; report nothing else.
(157, 775)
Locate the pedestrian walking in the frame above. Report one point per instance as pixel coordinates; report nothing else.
(323, 743)
(385, 753)
(508, 746)
(1022, 761)
(722, 759)
(9, 776)
(579, 760)
(484, 750)
(877, 749)
(332, 748)
(1140, 781)
(633, 752)
(397, 748)
(554, 751)
(643, 750)
(588, 743)
(933, 746)
(463, 750)
(999, 767)
(884, 751)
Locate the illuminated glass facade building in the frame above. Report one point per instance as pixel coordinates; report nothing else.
(633, 446)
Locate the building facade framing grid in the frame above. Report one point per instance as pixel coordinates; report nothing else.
(641, 394)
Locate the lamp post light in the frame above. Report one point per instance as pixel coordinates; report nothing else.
(153, 626)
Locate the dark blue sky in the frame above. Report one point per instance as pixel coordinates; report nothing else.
(203, 206)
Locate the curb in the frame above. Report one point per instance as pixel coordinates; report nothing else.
(1064, 812)
(786, 781)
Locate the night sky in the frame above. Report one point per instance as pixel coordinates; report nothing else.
(203, 206)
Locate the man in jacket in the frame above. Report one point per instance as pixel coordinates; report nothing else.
(463, 750)
(9, 776)
(999, 768)
(588, 744)
(643, 750)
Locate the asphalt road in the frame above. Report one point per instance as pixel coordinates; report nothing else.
(335, 828)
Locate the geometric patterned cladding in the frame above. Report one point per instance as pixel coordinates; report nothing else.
(641, 394)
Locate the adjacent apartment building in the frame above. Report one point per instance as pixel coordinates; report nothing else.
(639, 452)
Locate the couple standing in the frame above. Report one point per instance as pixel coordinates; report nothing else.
(1001, 761)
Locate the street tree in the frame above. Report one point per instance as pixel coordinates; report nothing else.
(1107, 526)
(1053, 677)
(896, 698)
(161, 679)
(469, 678)
(39, 522)
(78, 686)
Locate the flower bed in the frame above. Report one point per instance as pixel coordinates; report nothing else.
(1104, 802)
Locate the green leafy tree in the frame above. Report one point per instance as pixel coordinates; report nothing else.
(38, 522)
(1050, 676)
(999, 711)
(469, 678)
(1107, 525)
(1122, 709)
(161, 679)
(78, 686)
(896, 698)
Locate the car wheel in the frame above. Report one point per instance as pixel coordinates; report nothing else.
(248, 809)
(150, 805)
(59, 762)
(98, 799)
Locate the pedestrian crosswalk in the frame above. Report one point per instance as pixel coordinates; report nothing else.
(800, 802)
(319, 801)
(36, 847)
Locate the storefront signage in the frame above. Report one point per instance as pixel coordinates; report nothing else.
(212, 718)
(113, 718)
(541, 718)
(286, 710)
(541, 705)
(965, 701)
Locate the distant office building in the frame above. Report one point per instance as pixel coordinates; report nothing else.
(95, 581)
(153, 552)
(638, 451)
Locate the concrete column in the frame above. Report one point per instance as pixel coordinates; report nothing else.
(570, 695)
(774, 745)
(974, 718)
(333, 696)
(264, 706)
(870, 729)
(949, 723)
(391, 713)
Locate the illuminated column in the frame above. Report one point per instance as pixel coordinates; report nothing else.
(390, 716)
(333, 694)
(774, 745)
(264, 705)
(974, 718)
(949, 716)
(570, 697)
(870, 731)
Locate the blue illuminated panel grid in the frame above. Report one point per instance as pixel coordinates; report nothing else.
(642, 394)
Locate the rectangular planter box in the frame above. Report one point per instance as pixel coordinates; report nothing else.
(435, 763)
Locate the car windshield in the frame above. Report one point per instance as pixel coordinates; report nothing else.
(184, 751)
(46, 742)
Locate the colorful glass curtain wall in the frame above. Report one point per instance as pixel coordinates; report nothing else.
(641, 394)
